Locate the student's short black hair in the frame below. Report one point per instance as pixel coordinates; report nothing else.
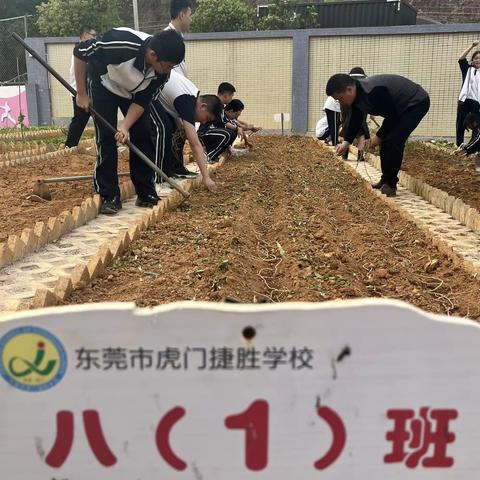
(225, 87)
(214, 105)
(235, 106)
(357, 71)
(475, 54)
(169, 46)
(472, 121)
(178, 6)
(338, 83)
(86, 29)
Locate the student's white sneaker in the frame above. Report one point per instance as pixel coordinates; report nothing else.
(163, 189)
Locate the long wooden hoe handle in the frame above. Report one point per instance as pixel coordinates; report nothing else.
(99, 117)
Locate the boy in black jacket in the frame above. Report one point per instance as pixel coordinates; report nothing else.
(400, 101)
(126, 68)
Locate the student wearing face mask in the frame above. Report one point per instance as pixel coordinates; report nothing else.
(469, 100)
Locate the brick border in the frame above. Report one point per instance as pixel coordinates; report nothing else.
(435, 239)
(33, 239)
(454, 206)
(42, 152)
(32, 135)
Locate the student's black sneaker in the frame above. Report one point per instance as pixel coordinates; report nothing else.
(118, 202)
(110, 206)
(183, 172)
(378, 185)
(388, 191)
(148, 201)
(361, 156)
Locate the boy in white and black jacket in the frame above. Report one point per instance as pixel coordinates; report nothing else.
(218, 135)
(175, 110)
(126, 68)
(400, 101)
(469, 99)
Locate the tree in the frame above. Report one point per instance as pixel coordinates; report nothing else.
(282, 15)
(66, 17)
(223, 16)
(17, 8)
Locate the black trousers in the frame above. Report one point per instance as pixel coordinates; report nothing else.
(396, 133)
(463, 109)
(216, 141)
(107, 104)
(333, 119)
(168, 141)
(77, 125)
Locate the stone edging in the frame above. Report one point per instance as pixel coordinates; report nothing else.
(41, 153)
(437, 241)
(455, 207)
(33, 134)
(82, 275)
(33, 239)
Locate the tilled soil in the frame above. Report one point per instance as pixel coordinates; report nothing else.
(16, 184)
(289, 223)
(454, 175)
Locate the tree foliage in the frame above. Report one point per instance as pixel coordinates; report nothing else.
(282, 15)
(66, 17)
(223, 16)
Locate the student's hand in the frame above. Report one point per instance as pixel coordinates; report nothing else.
(375, 142)
(475, 43)
(240, 132)
(122, 135)
(83, 101)
(256, 129)
(210, 184)
(342, 148)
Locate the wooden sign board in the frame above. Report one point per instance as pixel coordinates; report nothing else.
(345, 390)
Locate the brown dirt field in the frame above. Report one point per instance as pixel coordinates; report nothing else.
(454, 175)
(289, 223)
(16, 183)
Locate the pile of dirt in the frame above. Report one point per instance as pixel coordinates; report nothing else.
(16, 183)
(454, 175)
(290, 222)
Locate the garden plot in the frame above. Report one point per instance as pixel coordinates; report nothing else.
(18, 211)
(290, 222)
(440, 169)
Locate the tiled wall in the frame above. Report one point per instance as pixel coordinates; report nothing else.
(261, 70)
(430, 60)
(59, 56)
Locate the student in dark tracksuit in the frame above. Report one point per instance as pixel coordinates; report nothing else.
(472, 122)
(220, 134)
(469, 99)
(126, 68)
(80, 116)
(400, 101)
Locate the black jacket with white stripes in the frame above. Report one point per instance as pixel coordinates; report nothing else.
(117, 60)
(473, 146)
